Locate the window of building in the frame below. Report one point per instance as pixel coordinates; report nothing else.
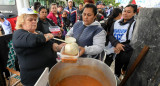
(7, 2)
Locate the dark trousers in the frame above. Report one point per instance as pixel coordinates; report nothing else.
(109, 59)
(121, 61)
(2, 79)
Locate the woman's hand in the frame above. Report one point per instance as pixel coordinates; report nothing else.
(82, 51)
(48, 36)
(60, 46)
(57, 47)
(116, 51)
(119, 47)
(60, 34)
(62, 29)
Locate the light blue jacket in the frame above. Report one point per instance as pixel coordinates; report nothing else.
(6, 27)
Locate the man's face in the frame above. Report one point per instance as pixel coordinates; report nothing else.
(54, 9)
(64, 14)
(80, 7)
(60, 9)
(70, 4)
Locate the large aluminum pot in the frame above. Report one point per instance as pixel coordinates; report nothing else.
(84, 66)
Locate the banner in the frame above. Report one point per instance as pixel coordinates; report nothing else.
(142, 3)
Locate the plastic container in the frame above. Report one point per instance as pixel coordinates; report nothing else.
(54, 30)
(68, 58)
(70, 39)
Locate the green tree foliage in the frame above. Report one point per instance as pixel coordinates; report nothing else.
(78, 1)
(130, 1)
(107, 2)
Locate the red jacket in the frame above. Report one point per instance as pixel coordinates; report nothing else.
(53, 17)
(13, 22)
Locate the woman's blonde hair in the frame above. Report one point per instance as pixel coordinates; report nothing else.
(21, 19)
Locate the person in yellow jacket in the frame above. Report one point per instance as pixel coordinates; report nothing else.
(36, 6)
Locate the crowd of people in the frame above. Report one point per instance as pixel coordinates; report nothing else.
(96, 28)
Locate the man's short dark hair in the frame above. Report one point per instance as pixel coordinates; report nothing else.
(93, 7)
(81, 4)
(64, 12)
(36, 5)
(60, 6)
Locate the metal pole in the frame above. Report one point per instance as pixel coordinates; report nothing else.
(26, 3)
(20, 5)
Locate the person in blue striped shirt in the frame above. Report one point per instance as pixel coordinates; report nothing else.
(5, 25)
